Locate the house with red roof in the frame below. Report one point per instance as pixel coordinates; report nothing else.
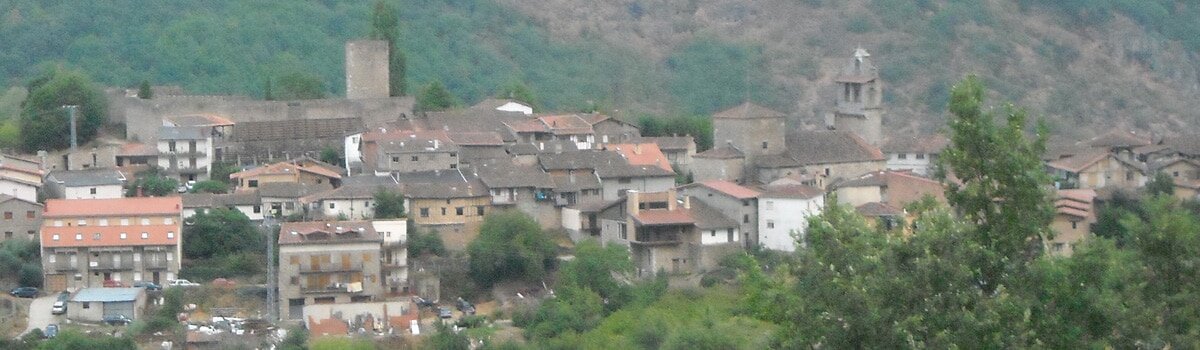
(1074, 214)
(86, 242)
(669, 234)
(735, 201)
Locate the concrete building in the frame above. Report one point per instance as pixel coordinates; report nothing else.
(86, 184)
(327, 262)
(783, 212)
(738, 203)
(185, 152)
(21, 219)
(367, 73)
(665, 234)
(858, 107)
(394, 255)
(216, 128)
(402, 151)
(94, 304)
(88, 241)
(21, 178)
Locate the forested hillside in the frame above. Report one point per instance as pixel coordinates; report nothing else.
(1093, 62)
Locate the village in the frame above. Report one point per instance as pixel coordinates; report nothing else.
(338, 264)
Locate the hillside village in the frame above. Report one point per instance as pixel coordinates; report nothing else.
(342, 268)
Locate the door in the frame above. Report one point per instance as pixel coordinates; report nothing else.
(156, 278)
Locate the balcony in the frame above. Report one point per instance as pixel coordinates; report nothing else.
(110, 266)
(351, 288)
(160, 264)
(64, 267)
(186, 153)
(331, 268)
(393, 264)
(656, 238)
(190, 170)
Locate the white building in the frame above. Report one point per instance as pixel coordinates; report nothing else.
(20, 178)
(783, 212)
(394, 255)
(185, 152)
(352, 153)
(86, 184)
(915, 154)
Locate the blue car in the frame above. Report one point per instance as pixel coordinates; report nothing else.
(24, 292)
(51, 331)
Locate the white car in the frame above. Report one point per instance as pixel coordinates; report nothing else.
(181, 283)
(59, 308)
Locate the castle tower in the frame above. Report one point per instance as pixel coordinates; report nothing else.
(752, 129)
(859, 105)
(367, 69)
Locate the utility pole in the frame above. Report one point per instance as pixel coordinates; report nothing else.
(74, 136)
(268, 224)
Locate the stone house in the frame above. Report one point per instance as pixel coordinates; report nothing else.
(526, 188)
(666, 234)
(20, 178)
(281, 199)
(86, 184)
(619, 178)
(914, 153)
(1097, 169)
(835, 155)
(328, 262)
(1074, 214)
(403, 151)
(554, 128)
(894, 188)
(720, 163)
(738, 203)
(288, 172)
(608, 129)
(1180, 169)
(185, 153)
(783, 212)
(751, 129)
(478, 146)
(454, 206)
(21, 219)
(88, 241)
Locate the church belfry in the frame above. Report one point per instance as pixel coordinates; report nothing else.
(859, 104)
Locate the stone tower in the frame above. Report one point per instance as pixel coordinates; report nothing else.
(752, 129)
(859, 103)
(367, 69)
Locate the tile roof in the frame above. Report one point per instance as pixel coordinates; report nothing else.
(642, 154)
(289, 189)
(668, 143)
(285, 167)
(200, 120)
(476, 138)
(748, 110)
(326, 232)
(707, 217)
(791, 191)
(627, 170)
(583, 159)
(1120, 138)
(503, 173)
(20, 164)
(113, 207)
(1075, 202)
(775, 161)
(858, 69)
(1187, 144)
(552, 146)
(461, 188)
(877, 209)
(210, 200)
(110, 236)
(87, 177)
(465, 120)
(728, 188)
(137, 149)
(568, 124)
(723, 152)
(348, 192)
(181, 133)
(1079, 162)
(101, 295)
(296, 129)
(575, 182)
(928, 144)
(826, 147)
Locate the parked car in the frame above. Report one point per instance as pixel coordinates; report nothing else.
(150, 286)
(444, 312)
(63, 296)
(113, 284)
(59, 308)
(51, 331)
(117, 320)
(422, 302)
(181, 283)
(24, 292)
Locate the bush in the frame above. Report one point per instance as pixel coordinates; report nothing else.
(511, 245)
(210, 186)
(30, 275)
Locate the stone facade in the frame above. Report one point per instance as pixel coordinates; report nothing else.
(859, 105)
(21, 219)
(327, 263)
(367, 74)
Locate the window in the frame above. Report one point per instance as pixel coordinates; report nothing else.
(453, 166)
(770, 223)
(58, 223)
(170, 235)
(123, 235)
(137, 257)
(770, 205)
(294, 280)
(712, 233)
(729, 235)
(1074, 225)
(8, 215)
(826, 171)
(103, 222)
(168, 221)
(96, 236)
(901, 156)
(92, 190)
(81, 222)
(395, 159)
(145, 235)
(415, 158)
(78, 236)
(7, 234)
(920, 155)
(51, 258)
(54, 237)
(145, 221)
(458, 211)
(331, 205)
(479, 210)
(124, 222)
(424, 212)
(1175, 174)
(745, 202)
(171, 146)
(764, 144)
(253, 183)
(170, 256)
(87, 305)
(745, 218)
(443, 211)
(257, 209)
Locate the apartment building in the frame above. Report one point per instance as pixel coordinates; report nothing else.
(328, 262)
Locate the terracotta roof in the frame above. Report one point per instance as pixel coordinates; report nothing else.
(877, 209)
(723, 152)
(928, 144)
(728, 188)
(668, 143)
(678, 216)
(327, 232)
(569, 124)
(285, 168)
(137, 149)
(200, 120)
(791, 191)
(328, 326)
(707, 217)
(1120, 138)
(113, 207)
(110, 236)
(747, 110)
(827, 147)
(476, 138)
(642, 154)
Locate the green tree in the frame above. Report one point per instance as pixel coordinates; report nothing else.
(388, 204)
(446, 339)
(341, 343)
(1003, 188)
(510, 245)
(44, 122)
(30, 275)
(332, 156)
(519, 91)
(144, 91)
(222, 170)
(420, 244)
(10, 134)
(699, 127)
(220, 232)
(74, 340)
(299, 86)
(594, 267)
(1161, 184)
(386, 26)
(210, 186)
(153, 183)
(297, 339)
(435, 97)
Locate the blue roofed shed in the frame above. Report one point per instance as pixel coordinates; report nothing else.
(94, 304)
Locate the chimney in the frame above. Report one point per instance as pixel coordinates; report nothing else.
(139, 191)
(541, 146)
(687, 202)
(435, 143)
(637, 148)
